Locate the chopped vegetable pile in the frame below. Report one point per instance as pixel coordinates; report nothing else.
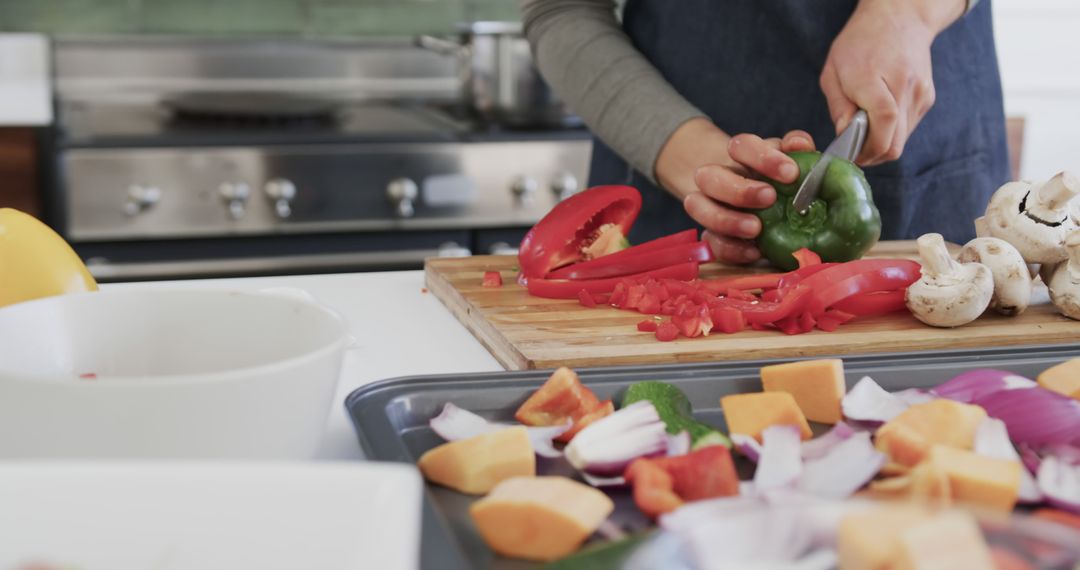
(892, 480)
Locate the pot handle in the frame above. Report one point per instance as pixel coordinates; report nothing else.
(439, 45)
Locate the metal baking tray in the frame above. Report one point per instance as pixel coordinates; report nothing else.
(391, 420)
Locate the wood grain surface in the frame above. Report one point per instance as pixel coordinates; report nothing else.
(525, 332)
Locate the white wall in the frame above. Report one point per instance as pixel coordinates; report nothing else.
(1038, 43)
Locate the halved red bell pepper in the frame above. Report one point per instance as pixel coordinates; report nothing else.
(565, 289)
(563, 236)
(563, 397)
(631, 261)
(664, 484)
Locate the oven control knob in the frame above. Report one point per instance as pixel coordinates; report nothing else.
(281, 192)
(524, 188)
(235, 195)
(452, 249)
(402, 192)
(140, 198)
(564, 185)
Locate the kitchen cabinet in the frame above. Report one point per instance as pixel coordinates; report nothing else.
(18, 170)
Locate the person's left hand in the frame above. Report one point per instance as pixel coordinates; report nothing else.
(880, 62)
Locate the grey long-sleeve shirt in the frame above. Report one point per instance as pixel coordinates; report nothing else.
(585, 56)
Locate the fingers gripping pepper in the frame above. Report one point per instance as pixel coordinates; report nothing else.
(840, 225)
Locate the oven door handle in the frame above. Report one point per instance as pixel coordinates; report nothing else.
(105, 271)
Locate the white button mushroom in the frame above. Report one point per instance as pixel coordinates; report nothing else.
(1012, 279)
(1064, 282)
(1035, 218)
(949, 294)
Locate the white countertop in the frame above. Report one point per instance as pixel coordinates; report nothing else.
(400, 331)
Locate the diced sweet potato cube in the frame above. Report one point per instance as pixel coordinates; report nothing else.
(977, 479)
(907, 438)
(1063, 378)
(817, 385)
(475, 465)
(867, 539)
(539, 518)
(946, 541)
(750, 414)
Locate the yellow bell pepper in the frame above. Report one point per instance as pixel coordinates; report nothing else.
(36, 262)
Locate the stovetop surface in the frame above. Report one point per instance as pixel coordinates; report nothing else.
(119, 124)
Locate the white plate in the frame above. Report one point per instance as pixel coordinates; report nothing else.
(210, 516)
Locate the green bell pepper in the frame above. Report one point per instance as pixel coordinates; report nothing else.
(841, 224)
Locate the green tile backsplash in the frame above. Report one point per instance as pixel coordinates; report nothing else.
(312, 18)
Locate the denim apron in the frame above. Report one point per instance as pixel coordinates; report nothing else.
(952, 163)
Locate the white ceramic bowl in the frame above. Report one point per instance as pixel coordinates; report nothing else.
(180, 373)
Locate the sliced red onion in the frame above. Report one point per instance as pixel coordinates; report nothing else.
(992, 440)
(678, 444)
(1068, 453)
(1060, 483)
(747, 446)
(455, 423)
(869, 402)
(1035, 416)
(605, 447)
(914, 396)
(820, 446)
(844, 469)
(974, 384)
(603, 482)
(780, 464)
(1029, 457)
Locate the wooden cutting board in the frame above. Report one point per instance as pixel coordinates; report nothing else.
(525, 332)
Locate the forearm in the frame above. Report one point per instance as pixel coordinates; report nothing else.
(589, 61)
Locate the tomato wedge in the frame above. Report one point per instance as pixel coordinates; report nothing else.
(561, 237)
(632, 260)
(566, 289)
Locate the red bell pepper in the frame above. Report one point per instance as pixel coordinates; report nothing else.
(492, 279)
(693, 321)
(806, 258)
(727, 319)
(562, 397)
(762, 312)
(685, 236)
(870, 304)
(563, 236)
(665, 484)
(667, 331)
(631, 261)
(836, 284)
(744, 283)
(832, 319)
(605, 408)
(586, 299)
(565, 289)
(648, 325)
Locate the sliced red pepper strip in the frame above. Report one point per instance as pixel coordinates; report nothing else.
(841, 271)
(559, 237)
(792, 278)
(586, 299)
(832, 319)
(565, 289)
(634, 260)
(870, 304)
(763, 312)
(561, 397)
(727, 319)
(806, 258)
(685, 236)
(745, 283)
(884, 278)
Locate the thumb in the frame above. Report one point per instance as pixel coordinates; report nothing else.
(841, 109)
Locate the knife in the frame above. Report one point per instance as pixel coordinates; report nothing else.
(846, 146)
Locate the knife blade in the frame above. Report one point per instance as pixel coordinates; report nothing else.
(846, 146)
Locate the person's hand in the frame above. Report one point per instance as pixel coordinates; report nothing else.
(880, 62)
(715, 174)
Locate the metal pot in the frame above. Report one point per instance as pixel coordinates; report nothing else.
(499, 81)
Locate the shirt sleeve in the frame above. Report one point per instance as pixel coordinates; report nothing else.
(583, 53)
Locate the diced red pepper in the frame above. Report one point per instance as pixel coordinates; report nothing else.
(648, 325)
(762, 312)
(806, 258)
(605, 408)
(870, 304)
(632, 260)
(807, 322)
(727, 319)
(561, 236)
(565, 289)
(693, 321)
(492, 279)
(665, 484)
(789, 325)
(771, 296)
(649, 305)
(562, 397)
(733, 293)
(666, 331)
(586, 299)
(832, 319)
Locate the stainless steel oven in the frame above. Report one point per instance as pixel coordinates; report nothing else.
(174, 159)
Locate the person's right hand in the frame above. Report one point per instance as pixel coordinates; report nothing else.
(731, 177)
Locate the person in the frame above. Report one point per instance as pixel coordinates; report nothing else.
(702, 97)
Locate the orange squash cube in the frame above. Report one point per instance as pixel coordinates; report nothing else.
(750, 414)
(817, 386)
